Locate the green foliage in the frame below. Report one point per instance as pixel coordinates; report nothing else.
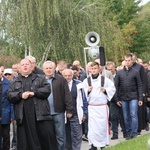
(122, 11)
(141, 43)
(55, 29)
(139, 143)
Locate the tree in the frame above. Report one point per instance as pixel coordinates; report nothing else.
(122, 11)
(55, 29)
(141, 44)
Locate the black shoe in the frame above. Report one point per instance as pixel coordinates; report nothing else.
(134, 135)
(138, 133)
(85, 138)
(128, 137)
(147, 127)
(124, 135)
(114, 137)
(93, 147)
(14, 148)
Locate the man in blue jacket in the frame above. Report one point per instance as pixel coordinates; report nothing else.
(79, 113)
(7, 113)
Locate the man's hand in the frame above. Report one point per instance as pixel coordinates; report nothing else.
(69, 115)
(27, 94)
(12, 119)
(84, 118)
(148, 99)
(31, 94)
(140, 103)
(90, 89)
(119, 103)
(103, 89)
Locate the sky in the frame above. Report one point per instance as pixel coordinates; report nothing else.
(144, 2)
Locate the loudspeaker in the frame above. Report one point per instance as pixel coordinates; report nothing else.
(92, 39)
(94, 52)
(102, 56)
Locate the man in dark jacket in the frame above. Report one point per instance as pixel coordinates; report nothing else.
(130, 94)
(60, 101)
(142, 113)
(29, 93)
(116, 115)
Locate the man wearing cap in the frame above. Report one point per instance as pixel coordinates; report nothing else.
(8, 74)
(7, 113)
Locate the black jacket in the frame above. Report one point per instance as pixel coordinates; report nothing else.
(142, 73)
(41, 89)
(128, 84)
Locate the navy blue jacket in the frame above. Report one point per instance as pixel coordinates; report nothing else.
(7, 107)
(74, 92)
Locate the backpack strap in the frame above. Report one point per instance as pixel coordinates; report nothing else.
(102, 81)
(89, 80)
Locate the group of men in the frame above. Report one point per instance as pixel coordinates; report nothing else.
(50, 105)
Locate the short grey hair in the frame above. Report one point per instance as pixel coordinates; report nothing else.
(49, 62)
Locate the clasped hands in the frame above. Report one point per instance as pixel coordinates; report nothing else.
(27, 94)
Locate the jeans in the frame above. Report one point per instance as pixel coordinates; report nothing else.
(73, 134)
(130, 114)
(59, 123)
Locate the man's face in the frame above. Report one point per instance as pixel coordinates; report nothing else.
(15, 68)
(95, 69)
(128, 61)
(76, 73)
(8, 76)
(145, 65)
(61, 68)
(2, 68)
(48, 69)
(25, 67)
(68, 75)
(111, 68)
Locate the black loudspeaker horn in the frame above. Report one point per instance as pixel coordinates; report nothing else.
(102, 56)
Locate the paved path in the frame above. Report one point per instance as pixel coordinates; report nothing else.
(85, 145)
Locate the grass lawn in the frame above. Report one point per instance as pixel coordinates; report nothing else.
(139, 143)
